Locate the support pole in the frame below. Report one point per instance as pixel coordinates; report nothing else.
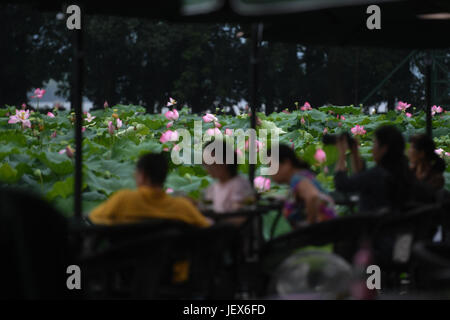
(77, 96)
(257, 30)
(256, 228)
(429, 96)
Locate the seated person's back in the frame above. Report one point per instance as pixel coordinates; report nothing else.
(149, 200)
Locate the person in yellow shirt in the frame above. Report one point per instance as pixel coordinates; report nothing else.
(149, 200)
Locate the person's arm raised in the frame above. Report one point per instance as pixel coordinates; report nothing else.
(342, 181)
(342, 147)
(356, 160)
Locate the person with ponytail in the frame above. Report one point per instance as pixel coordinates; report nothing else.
(307, 201)
(387, 185)
(426, 165)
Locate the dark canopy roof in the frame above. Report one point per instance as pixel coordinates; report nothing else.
(404, 23)
(156, 9)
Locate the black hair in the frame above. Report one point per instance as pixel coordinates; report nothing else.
(395, 162)
(232, 168)
(287, 153)
(154, 166)
(392, 138)
(425, 143)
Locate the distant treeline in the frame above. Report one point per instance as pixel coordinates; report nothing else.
(203, 65)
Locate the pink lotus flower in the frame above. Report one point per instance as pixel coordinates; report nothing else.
(38, 93)
(110, 128)
(169, 136)
(325, 130)
(166, 149)
(228, 132)
(439, 152)
(217, 125)
(169, 190)
(320, 156)
(259, 145)
(402, 106)
(239, 152)
(342, 118)
(171, 102)
(83, 129)
(21, 116)
(89, 118)
(286, 111)
(176, 147)
(306, 107)
(119, 123)
(261, 184)
(53, 134)
(105, 105)
(436, 109)
(209, 118)
(169, 124)
(51, 115)
(358, 130)
(68, 151)
(409, 115)
(24, 106)
(172, 115)
(213, 132)
(302, 121)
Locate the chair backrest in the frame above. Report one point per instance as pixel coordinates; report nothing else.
(211, 253)
(345, 229)
(141, 258)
